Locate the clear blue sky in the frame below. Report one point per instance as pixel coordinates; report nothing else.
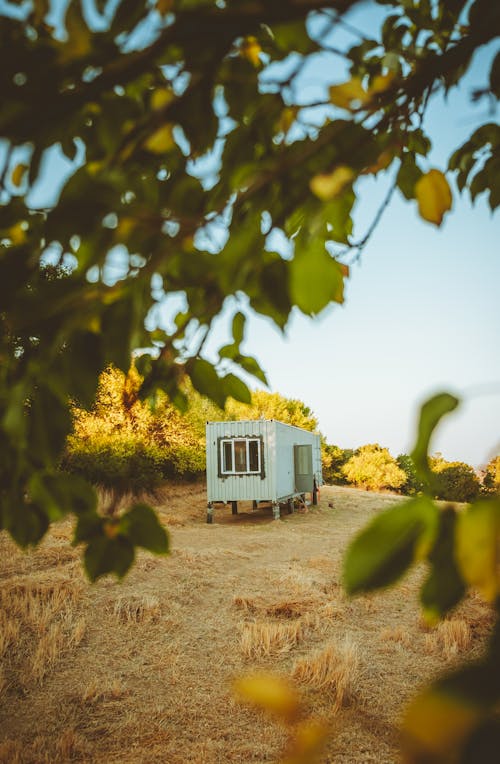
(422, 310)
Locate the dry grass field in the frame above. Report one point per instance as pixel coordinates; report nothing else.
(141, 671)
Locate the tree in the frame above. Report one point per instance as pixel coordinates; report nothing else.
(372, 467)
(491, 480)
(126, 445)
(333, 460)
(189, 147)
(454, 481)
(266, 405)
(412, 485)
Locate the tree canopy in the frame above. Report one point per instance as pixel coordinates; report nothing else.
(193, 152)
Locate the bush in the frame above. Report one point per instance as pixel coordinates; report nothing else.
(454, 481)
(333, 459)
(413, 484)
(491, 479)
(372, 467)
(118, 464)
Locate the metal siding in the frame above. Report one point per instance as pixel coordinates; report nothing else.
(278, 442)
(236, 487)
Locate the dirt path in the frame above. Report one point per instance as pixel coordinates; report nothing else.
(149, 677)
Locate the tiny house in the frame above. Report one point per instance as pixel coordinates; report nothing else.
(261, 461)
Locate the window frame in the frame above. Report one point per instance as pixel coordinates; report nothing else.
(247, 439)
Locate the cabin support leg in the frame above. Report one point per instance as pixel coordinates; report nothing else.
(276, 510)
(315, 494)
(210, 512)
(291, 506)
(234, 507)
(254, 504)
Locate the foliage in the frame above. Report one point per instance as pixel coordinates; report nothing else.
(333, 459)
(124, 444)
(454, 719)
(189, 144)
(413, 484)
(491, 479)
(266, 405)
(372, 467)
(454, 481)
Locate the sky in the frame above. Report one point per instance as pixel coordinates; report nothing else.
(422, 308)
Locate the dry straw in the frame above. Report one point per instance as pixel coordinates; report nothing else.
(333, 669)
(137, 609)
(264, 638)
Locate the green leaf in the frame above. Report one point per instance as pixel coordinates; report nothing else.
(477, 546)
(229, 351)
(293, 37)
(408, 175)
(206, 380)
(418, 142)
(386, 548)
(316, 279)
(444, 587)
(236, 388)
(251, 366)
(143, 528)
(60, 493)
(27, 524)
(431, 414)
(88, 527)
(104, 555)
(238, 328)
(49, 424)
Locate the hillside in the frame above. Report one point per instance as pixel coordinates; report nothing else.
(141, 671)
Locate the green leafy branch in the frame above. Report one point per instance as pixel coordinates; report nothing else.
(455, 716)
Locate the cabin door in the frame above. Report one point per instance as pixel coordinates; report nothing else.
(304, 478)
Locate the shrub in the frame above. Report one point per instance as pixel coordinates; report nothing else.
(454, 481)
(333, 459)
(413, 484)
(372, 467)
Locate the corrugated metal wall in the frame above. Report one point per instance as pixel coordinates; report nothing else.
(278, 442)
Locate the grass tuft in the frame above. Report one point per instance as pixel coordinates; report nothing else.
(137, 609)
(332, 669)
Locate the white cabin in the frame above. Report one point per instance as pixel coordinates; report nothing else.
(261, 460)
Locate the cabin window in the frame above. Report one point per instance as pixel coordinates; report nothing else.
(241, 456)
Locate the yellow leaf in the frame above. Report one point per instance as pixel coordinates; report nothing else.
(435, 724)
(269, 693)
(287, 119)
(17, 233)
(18, 174)
(478, 547)
(349, 95)
(308, 743)
(345, 270)
(79, 42)
(383, 161)
(161, 140)
(251, 50)
(433, 196)
(381, 83)
(329, 185)
(111, 529)
(164, 6)
(93, 168)
(160, 98)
